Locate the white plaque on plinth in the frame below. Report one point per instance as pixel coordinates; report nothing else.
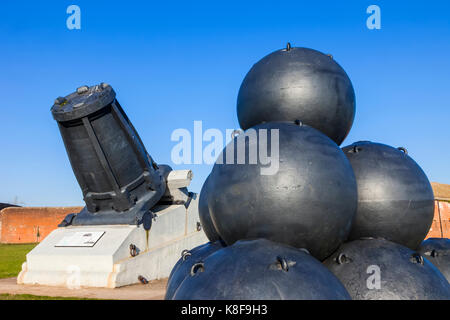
(80, 239)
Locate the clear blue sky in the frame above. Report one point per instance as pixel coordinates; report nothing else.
(176, 62)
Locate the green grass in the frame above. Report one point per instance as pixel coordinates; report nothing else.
(11, 258)
(5, 296)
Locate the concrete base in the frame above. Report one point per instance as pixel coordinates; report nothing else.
(109, 262)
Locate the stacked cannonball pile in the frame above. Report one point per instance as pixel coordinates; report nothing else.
(329, 223)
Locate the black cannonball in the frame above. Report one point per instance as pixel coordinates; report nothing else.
(183, 266)
(298, 83)
(260, 269)
(395, 199)
(437, 251)
(204, 215)
(378, 269)
(305, 196)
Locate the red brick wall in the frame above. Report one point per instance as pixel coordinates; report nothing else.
(21, 224)
(441, 221)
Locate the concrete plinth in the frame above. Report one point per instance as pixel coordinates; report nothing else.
(109, 263)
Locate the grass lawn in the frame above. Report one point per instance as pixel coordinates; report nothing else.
(5, 296)
(11, 258)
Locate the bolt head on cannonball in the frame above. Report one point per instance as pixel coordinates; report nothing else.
(395, 198)
(260, 269)
(304, 195)
(378, 269)
(298, 83)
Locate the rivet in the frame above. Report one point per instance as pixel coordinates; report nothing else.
(82, 89)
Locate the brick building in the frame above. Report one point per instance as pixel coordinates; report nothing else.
(441, 222)
(30, 224)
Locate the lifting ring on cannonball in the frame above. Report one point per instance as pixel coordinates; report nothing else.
(342, 258)
(200, 266)
(403, 149)
(354, 149)
(417, 258)
(185, 253)
(288, 46)
(283, 263)
(433, 253)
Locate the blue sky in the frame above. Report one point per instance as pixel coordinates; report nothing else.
(173, 63)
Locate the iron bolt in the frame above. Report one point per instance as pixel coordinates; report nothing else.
(82, 89)
(60, 100)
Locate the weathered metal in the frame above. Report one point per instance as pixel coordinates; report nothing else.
(309, 202)
(395, 198)
(183, 267)
(205, 216)
(298, 83)
(377, 269)
(119, 180)
(437, 251)
(260, 269)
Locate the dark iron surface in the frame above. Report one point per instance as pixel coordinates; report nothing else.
(183, 267)
(298, 83)
(119, 180)
(260, 269)
(437, 251)
(205, 217)
(403, 273)
(395, 199)
(308, 203)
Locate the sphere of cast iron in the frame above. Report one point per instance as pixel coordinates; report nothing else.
(260, 269)
(377, 269)
(395, 199)
(298, 83)
(294, 186)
